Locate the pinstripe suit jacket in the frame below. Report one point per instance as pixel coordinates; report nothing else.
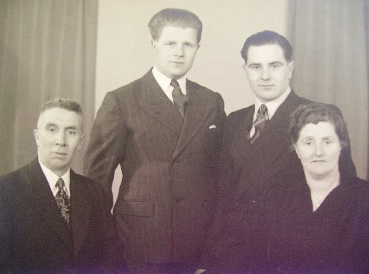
(166, 196)
(33, 235)
(244, 178)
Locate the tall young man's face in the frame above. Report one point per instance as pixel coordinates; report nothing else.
(58, 136)
(175, 51)
(268, 71)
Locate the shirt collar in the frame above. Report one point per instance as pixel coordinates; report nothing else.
(164, 82)
(52, 178)
(273, 105)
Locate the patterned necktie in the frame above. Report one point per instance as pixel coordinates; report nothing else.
(63, 200)
(179, 99)
(259, 124)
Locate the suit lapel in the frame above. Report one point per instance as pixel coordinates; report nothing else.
(151, 99)
(273, 140)
(41, 198)
(197, 112)
(81, 211)
(241, 148)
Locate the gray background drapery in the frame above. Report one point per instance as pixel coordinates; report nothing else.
(330, 40)
(47, 50)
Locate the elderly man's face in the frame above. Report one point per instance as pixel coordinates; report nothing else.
(58, 136)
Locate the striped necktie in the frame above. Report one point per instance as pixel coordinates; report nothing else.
(179, 99)
(259, 124)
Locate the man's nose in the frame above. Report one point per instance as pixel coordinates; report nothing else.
(265, 74)
(60, 139)
(179, 50)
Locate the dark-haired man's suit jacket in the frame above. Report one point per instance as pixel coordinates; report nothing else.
(33, 235)
(166, 197)
(245, 171)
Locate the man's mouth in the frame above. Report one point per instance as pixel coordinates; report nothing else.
(60, 153)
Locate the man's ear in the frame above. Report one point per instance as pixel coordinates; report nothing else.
(291, 66)
(37, 136)
(81, 142)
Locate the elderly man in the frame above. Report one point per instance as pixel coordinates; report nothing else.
(52, 219)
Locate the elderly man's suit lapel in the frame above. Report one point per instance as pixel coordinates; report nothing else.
(40, 197)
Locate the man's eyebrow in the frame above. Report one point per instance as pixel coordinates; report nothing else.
(254, 64)
(50, 125)
(71, 127)
(275, 63)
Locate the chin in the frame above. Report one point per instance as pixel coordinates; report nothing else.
(321, 173)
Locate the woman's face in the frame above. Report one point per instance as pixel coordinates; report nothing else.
(318, 148)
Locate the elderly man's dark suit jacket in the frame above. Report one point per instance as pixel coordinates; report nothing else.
(33, 235)
(236, 240)
(164, 205)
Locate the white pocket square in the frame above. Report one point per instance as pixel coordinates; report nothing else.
(212, 126)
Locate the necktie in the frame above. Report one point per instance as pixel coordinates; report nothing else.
(179, 99)
(62, 200)
(259, 124)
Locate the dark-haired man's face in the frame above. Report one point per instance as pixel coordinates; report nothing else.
(175, 51)
(268, 71)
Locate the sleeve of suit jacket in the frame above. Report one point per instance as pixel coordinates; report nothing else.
(107, 144)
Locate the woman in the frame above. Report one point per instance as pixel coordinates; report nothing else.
(318, 221)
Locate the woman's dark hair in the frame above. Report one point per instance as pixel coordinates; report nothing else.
(318, 112)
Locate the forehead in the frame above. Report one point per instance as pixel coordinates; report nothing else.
(265, 54)
(178, 33)
(60, 117)
(319, 130)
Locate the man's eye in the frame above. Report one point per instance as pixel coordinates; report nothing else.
(71, 132)
(275, 66)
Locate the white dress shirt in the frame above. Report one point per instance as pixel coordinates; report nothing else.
(164, 83)
(272, 107)
(52, 178)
